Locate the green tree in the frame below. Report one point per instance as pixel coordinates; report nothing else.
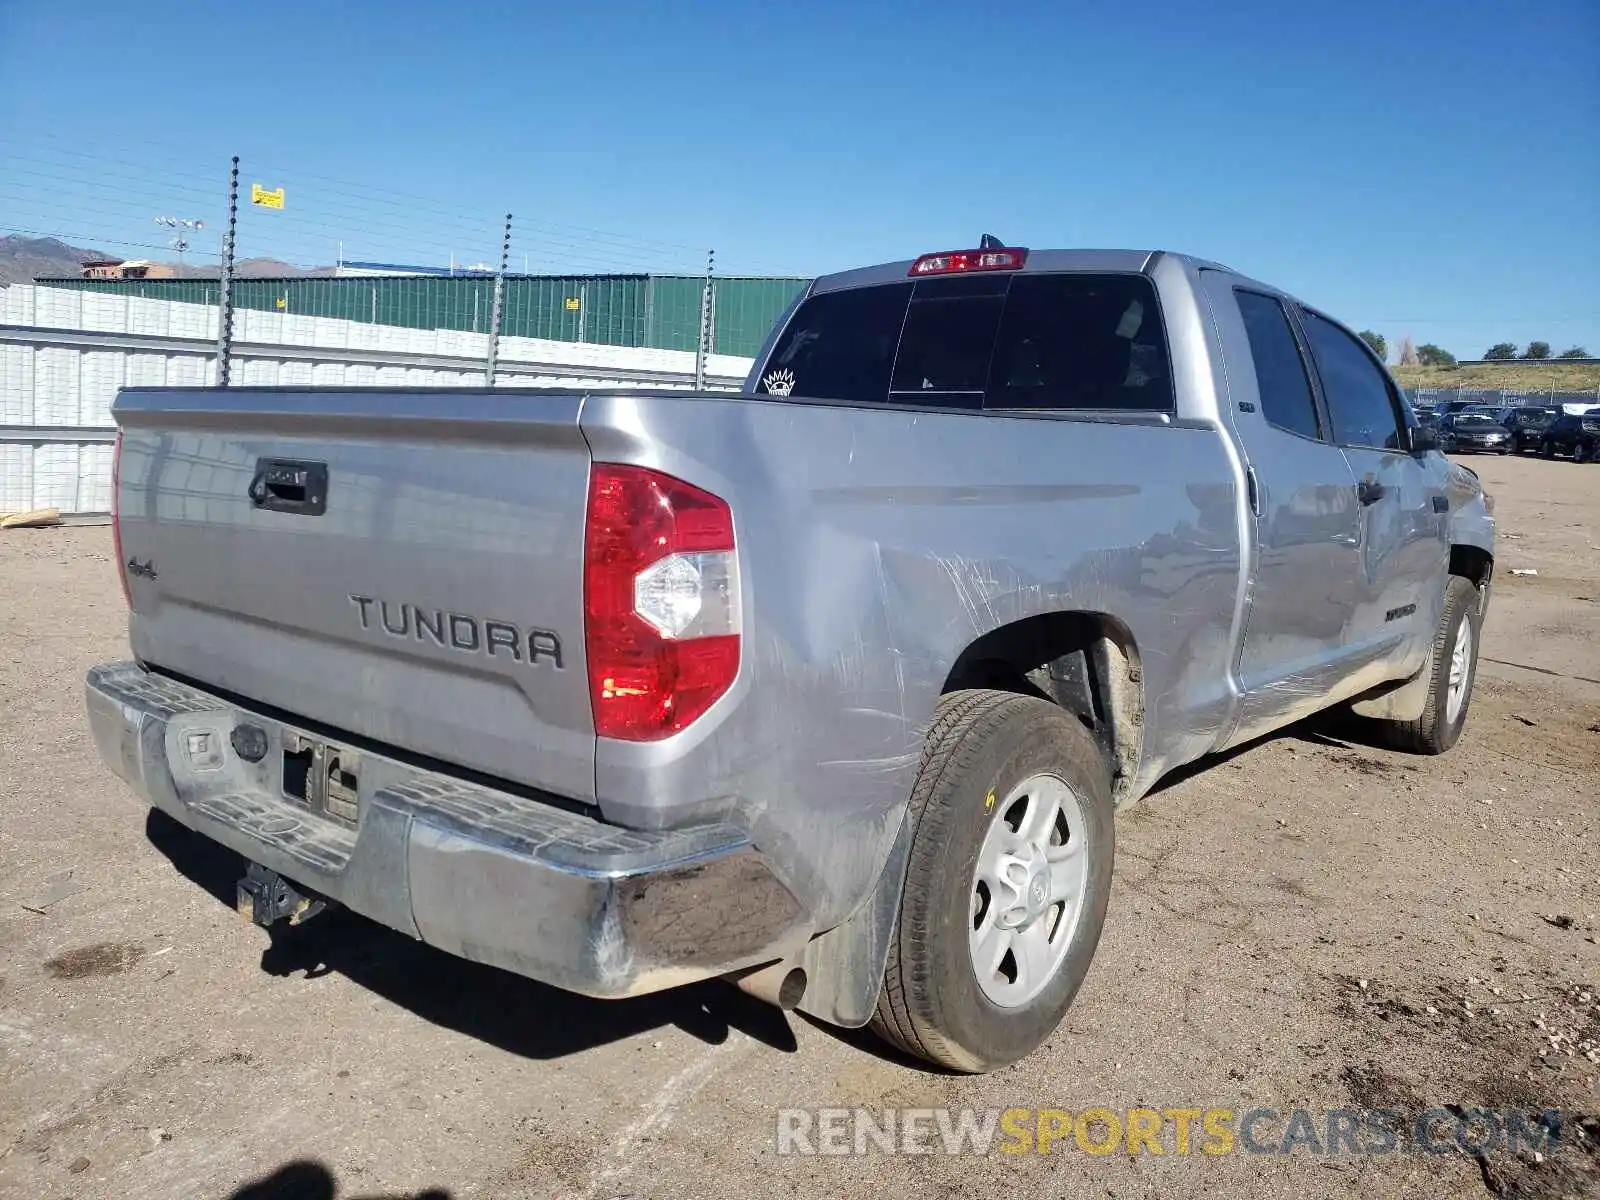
(1379, 345)
(1574, 352)
(1430, 355)
(1500, 352)
(1537, 350)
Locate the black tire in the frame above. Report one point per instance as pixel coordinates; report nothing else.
(983, 744)
(1547, 449)
(1434, 732)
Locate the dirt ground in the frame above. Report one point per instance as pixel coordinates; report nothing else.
(1310, 922)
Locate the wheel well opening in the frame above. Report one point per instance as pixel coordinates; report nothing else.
(1085, 662)
(1472, 563)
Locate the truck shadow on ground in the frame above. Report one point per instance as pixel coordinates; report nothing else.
(307, 1180)
(1334, 730)
(495, 1006)
(505, 1010)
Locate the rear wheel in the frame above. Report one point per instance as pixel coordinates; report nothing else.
(1006, 885)
(1452, 667)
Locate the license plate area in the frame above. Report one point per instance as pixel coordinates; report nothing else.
(323, 777)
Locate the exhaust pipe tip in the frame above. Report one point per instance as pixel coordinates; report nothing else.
(781, 984)
(792, 989)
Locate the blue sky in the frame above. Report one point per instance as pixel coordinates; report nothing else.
(1427, 168)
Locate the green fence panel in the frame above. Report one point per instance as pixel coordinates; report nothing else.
(674, 312)
(660, 311)
(745, 310)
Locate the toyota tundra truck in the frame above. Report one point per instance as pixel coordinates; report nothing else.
(831, 686)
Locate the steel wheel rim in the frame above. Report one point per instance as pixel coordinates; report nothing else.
(1027, 890)
(1460, 672)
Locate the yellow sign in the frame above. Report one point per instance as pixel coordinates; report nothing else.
(281, 303)
(260, 195)
(574, 303)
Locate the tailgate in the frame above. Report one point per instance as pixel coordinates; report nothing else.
(402, 566)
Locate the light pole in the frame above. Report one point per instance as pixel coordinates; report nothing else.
(181, 227)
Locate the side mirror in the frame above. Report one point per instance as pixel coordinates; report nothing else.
(1420, 440)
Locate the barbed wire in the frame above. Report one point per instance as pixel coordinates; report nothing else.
(363, 190)
(95, 239)
(373, 223)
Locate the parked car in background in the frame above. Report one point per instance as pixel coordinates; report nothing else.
(1527, 426)
(1577, 437)
(1474, 431)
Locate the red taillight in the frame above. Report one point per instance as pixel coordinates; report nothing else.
(955, 262)
(116, 518)
(661, 602)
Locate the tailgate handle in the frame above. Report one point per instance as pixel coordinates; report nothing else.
(290, 485)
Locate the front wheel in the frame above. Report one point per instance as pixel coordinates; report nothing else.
(1453, 667)
(1547, 449)
(1006, 885)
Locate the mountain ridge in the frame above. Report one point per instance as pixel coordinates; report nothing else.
(24, 259)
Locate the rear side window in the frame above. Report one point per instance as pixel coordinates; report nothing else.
(1281, 377)
(839, 346)
(1067, 341)
(1359, 400)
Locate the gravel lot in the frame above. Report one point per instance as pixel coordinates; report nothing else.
(154, 1045)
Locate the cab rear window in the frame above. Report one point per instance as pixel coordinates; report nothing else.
(1031, 341)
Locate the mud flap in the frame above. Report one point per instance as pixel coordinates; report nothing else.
(844, 966)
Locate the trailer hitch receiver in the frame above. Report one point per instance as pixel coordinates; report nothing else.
(264, 896)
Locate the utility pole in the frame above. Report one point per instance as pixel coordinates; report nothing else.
(225, 290)
(703, 347)
(497, 308)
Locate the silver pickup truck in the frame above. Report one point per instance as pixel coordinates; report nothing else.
(831, 687)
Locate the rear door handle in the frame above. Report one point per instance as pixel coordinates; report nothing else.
(290, 485)
(1370, 491)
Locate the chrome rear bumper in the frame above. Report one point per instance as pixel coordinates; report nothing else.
(489, 875)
